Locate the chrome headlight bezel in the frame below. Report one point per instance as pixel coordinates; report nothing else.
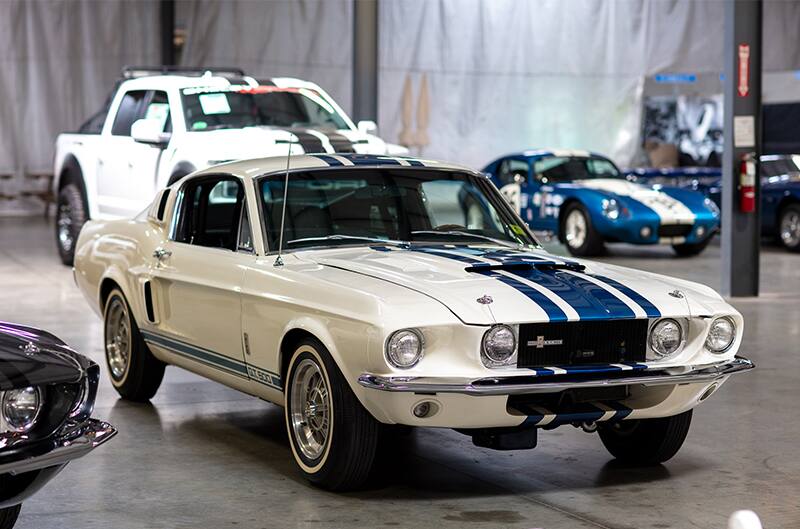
(490, 356)
(12, 425)
(721, 319)
(661, 354)
(392, 343)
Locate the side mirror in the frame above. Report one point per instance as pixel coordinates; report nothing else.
(150, 131)
(367, 127)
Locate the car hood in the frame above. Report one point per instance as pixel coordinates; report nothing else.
(486, 284)
(30, 357)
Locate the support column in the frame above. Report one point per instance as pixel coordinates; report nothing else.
(365, 60)
(741, 232)
(167, 32)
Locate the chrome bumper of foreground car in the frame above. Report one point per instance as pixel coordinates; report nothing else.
(523, 384)
(67, 446)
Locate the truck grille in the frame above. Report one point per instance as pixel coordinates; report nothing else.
(674, 230)
(582, 342)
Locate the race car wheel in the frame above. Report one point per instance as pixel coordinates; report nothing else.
(690, 249)
(8, 516)
(578, 233)
(333, 438)
(789, 227)
(646, 441)
(135, 373)
(71, 215)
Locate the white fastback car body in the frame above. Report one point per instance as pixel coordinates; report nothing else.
(407, 292)
(158, 127)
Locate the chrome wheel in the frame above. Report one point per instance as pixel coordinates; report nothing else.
(64, 222)
(575, 229)
(118, 338)
(310, 409)
(790, 228)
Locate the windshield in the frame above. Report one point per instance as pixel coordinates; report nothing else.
(557, 169)
(364, 206)
(238, 107)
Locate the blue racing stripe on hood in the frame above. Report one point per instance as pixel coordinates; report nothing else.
(554, 312)
(650, 309)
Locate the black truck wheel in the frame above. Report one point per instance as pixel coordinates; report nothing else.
(71, 215)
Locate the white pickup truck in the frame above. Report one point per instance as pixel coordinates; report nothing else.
(162, 124)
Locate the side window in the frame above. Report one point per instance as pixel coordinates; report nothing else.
(128, 112)
(211, 213)
(511, 171)
(157, 107)
(245, 233)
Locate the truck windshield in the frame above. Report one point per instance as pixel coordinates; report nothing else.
(369, 206)
(239, 107)
(555, 169)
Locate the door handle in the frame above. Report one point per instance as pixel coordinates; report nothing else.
(161, 254)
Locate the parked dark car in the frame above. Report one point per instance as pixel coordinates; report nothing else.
(47, 394)
(780, 192)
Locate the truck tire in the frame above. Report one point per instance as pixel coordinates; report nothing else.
(578, 233)
(71, 215)
(8, 516)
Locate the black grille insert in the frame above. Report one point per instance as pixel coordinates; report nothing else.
(582, 342)
(674, 230)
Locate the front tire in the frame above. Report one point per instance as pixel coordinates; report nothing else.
(578, 233)
(71, 215)
(333, 438)
(646, 441)
(789, 227)
(690, 249)
(135, 373)
(8, 516)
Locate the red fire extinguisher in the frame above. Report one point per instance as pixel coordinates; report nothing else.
(747, 183)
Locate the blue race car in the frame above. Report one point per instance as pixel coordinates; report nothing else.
(586, 201)
(780, 192)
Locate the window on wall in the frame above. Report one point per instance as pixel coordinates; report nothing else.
(211, 213)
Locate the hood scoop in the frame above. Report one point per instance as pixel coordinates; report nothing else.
(512, 264)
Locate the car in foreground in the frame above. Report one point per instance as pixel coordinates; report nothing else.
(47, 394)
(162, 123)
(780, 192)
(399, 292)
(586, 201)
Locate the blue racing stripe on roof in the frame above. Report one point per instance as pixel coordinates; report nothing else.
(650, 309)
(370, 159)
(414, 163)
(330, 160)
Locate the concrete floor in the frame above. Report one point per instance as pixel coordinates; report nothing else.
(204, 456)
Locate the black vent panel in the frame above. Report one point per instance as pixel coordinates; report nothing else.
(674, 230)
(582, 342)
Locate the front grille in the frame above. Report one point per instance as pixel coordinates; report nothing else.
(582, 342)
(674, 230)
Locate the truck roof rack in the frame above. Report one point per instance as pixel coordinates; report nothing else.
(134, 72)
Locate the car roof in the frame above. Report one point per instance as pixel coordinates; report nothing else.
(179, 82)
(257, 167)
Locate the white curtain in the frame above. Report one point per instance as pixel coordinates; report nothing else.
(59, 59)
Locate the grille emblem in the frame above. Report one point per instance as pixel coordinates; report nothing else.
(485, 300)
(540, 342)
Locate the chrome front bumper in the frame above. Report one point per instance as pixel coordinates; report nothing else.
(525, 384)
(69, 445)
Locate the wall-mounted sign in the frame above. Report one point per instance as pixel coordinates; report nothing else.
(743, 85)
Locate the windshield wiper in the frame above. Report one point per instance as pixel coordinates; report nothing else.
(339, 237)
(466, 234)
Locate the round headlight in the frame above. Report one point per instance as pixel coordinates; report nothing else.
(721, 335)
(404, 348)
(666, 337)
(21, 407)
(611, 208)
(499, 345)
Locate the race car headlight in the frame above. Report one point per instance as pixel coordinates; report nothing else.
(721, 335)
(611, 208)
(499, 346)
(404, 348)
(666, 337)
(712, 206)
(20, 408)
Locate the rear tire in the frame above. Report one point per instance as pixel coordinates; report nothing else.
(8, 516)
(71, 215)
(789, 227)
(690, 249)
(135, 373)
(578, 233)
(646, 441)
(333, 438)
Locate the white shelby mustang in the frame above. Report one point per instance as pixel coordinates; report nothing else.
(586, 201)
(407, 292)
(161, 124)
